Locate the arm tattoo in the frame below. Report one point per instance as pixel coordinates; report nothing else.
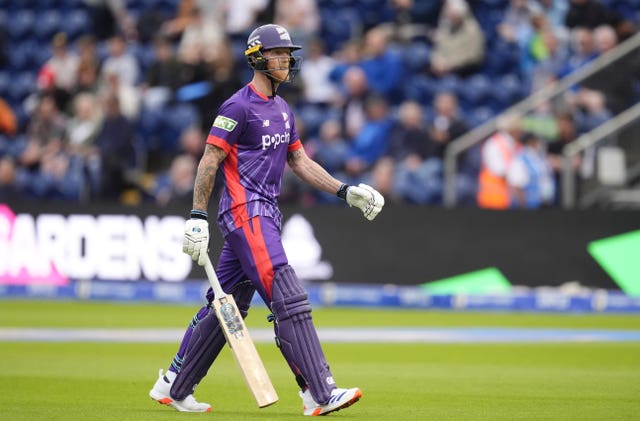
(206, 175)
(311, 172)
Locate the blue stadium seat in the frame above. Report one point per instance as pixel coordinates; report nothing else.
(449, 83)
(313, 117)
(18, 57)
(19, 24)
(626, 8)
(501, 57)
(508, 90)
(479, 116)
(136, 6)
(22, 116)
(495, 3)
(167, 7)
(420, 88)
(175, 119)
(13, 146)
(68, 5)
(48, 23)
(76, 23)
(25, 55)
(22, 85)
(149, 127)
(416, 56)
(144, 54)
(476, 90)
(23, 4)
(102, 50)
(339, 26)
(152, 4)
(40, 54)
(47, 4)
(5, 82)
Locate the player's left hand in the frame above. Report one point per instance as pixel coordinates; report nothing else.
(367, 199)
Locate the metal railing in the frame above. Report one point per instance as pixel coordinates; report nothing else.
(478, 134)
(586, 141)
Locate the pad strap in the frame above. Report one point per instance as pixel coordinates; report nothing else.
(296, 335)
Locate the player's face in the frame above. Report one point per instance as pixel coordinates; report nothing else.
(278, 62)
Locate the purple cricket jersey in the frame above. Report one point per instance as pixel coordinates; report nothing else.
(256, 132)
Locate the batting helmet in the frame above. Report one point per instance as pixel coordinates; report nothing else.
(267, 37)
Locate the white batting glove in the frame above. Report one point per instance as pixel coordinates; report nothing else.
(196, 239)
(366, 198)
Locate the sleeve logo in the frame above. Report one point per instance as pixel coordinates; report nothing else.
(225, 123)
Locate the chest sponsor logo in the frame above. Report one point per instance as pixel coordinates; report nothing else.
(273, 141)
(225, 123)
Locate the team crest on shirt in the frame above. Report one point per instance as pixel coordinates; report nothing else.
(225, 123)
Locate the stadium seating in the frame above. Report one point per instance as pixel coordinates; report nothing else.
(336, 28)
(76, 23)
(476, 90)
(49, 23)
(420, 88)
(22, 85)
(30, 24)
(19, 24)
(5, 82)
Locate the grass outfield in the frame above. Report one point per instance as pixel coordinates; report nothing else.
(105, 381)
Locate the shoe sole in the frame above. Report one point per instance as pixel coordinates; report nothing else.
(169, 402)
(356, 398)
(161, 401)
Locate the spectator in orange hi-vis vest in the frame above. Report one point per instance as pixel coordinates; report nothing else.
(8, 120)
(497, 153)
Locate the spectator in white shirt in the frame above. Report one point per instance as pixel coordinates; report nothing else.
(121, 62)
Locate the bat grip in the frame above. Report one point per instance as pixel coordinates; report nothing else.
(213, 279)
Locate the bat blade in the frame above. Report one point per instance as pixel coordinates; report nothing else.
(244, 351)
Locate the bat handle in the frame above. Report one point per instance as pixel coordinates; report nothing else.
(213, 279)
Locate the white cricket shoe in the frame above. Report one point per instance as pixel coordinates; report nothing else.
(161, 394)
(340, 399)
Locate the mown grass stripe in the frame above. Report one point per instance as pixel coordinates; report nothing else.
(336, 335)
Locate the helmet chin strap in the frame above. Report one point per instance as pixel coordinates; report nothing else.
(274, 86)
(274, 83)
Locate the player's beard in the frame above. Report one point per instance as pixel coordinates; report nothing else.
(279, 75)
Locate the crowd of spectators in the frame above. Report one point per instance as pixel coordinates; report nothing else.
(120, 112)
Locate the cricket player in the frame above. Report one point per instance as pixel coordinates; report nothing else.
(253, 135)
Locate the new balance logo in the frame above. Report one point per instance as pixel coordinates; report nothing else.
(265, 123)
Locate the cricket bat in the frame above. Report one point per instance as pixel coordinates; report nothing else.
(242, 347)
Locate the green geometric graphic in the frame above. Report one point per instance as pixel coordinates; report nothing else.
(619, 256)
(484, 281)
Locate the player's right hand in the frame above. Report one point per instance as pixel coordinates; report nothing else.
(196, 239)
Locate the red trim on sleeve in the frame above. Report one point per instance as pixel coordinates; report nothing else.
(219, 142)
(294, 146)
